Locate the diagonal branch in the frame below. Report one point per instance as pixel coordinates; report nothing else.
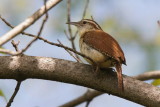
(28, 22)
(6, 51)
(148, 75)
(15, 45)
(85, 97)
(79, 74)
(71, 38)
(84, 14)
(40, 30)
(14, 94)
(69, 19)
(70, 52)
(45, 40)
(85, 9)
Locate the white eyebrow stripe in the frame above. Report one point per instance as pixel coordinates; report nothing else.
(91, 21)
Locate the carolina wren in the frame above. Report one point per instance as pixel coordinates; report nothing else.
(101, 47)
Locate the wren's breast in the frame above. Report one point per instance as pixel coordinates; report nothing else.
(98, 57)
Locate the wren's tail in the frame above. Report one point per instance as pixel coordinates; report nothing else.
(120, 78)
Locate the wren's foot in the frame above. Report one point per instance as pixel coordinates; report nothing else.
(96, 68)
(107, 69)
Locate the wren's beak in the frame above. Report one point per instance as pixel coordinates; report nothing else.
(73, 23)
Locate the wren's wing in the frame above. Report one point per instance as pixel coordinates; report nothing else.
(104, 43)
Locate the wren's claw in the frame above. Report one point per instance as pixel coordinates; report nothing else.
(95, 68)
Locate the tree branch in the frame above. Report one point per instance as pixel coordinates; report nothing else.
(70, 53)
(85, 9)
(92, 94)
(40, 30)
(6, 51)
(14, 94)
(24, 67)
(29, 21)
(45, 40)
(148, 75)
(71, 38)
(85, 97)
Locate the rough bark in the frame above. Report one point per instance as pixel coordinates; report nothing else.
(24, 67)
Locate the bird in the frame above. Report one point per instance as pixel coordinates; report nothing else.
(101, 47)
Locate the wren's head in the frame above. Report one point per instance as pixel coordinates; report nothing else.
(85, 25)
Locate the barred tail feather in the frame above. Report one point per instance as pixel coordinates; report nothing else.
(120, 78)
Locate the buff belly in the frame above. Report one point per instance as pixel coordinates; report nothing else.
(102, 60)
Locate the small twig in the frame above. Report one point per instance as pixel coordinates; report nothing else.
(66, 35)
(148, 75)
(76, 56)
(15, 45)
(70, 53)
(70, 49)
(92, 18)
(85, 97)
(8, 24)
(89, 100)
(14, 94)
(71, 38)
(51, 43)
(11, 26)
(84, 14)
(85, 9)
(68, 17)
(36, 37)
(75, 34)
(6, 51)
(40, 30)
(28, 22)
(55, 44)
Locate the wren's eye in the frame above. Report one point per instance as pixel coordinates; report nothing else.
(84, 22)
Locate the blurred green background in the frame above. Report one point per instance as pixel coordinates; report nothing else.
(133, 23)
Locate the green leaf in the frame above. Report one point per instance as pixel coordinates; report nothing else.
(156, 82)
(2, 94)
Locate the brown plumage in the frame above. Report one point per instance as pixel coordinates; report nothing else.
(109, 47)
(100, 47)
(104, 43)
